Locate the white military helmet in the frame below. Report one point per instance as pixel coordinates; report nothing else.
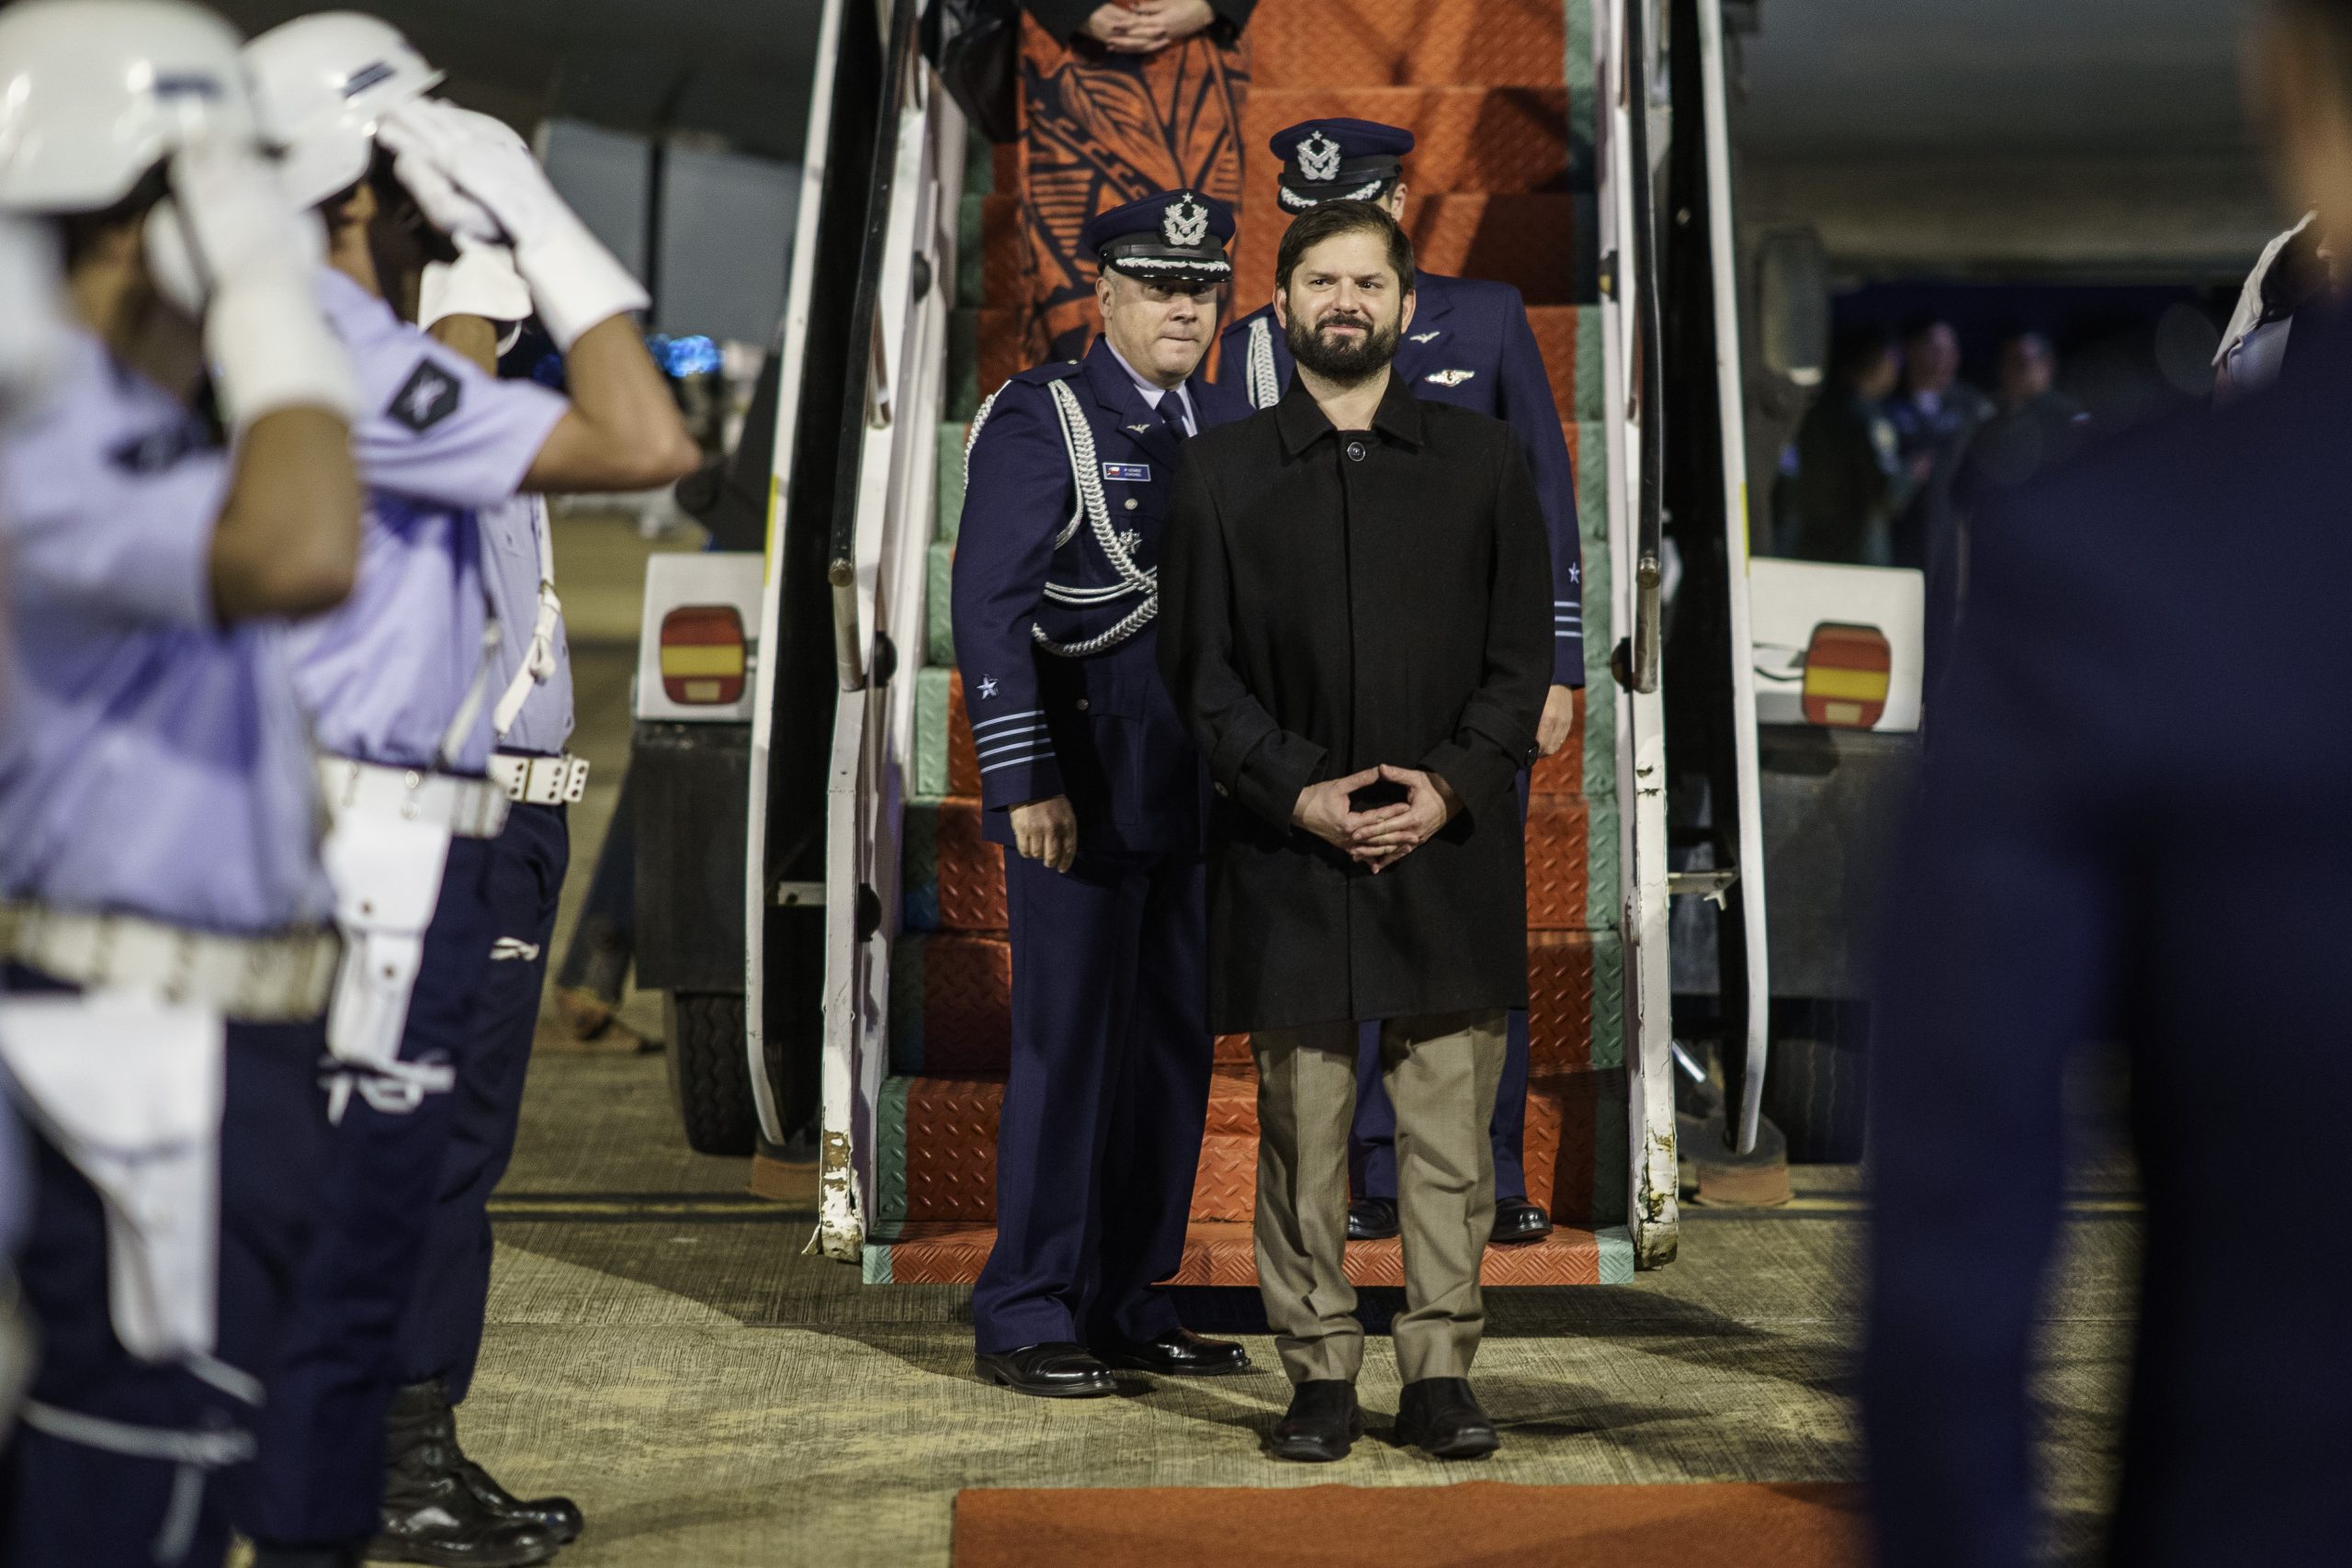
(321, 83)
(96, 93)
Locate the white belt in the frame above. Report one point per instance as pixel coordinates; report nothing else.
(282, 977)
(469, 808)
(541, 781)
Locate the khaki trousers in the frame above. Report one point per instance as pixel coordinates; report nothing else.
(1440, 1072)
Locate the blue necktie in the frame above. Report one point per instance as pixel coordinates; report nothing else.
(1171, 413)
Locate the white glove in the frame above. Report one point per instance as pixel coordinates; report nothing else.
(481, 282)
(445, 207)
(32, 337)
(255, 255)
(575, 281)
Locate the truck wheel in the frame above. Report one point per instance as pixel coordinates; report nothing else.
(710, 1078)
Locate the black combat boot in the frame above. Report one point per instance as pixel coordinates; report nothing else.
(431, 1514)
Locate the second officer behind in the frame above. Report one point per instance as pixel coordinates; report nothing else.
(1088, 777)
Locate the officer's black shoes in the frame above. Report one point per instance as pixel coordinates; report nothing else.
(431, 1514)
(1517, 1221)
(559, 1517)
(1371, 1219)
(1321, 1425)
(1055, 1371)
(1441, 1417)
(1177, 1353)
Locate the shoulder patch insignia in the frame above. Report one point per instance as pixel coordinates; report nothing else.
(155, 450)
(1448, 378)
(1426, 337)
(429, 396)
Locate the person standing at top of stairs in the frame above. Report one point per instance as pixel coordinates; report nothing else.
(1118, 101)
(1470, 346)
(1089, 777)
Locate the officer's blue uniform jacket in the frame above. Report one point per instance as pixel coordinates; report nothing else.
(1099, 728)
(1469, 344)
(2131, 829)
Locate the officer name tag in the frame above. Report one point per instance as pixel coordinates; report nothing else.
(1131, 473)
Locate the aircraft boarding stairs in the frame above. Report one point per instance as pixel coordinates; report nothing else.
(1501, 96)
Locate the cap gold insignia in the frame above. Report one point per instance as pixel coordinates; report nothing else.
(1318, 158)
(1185, 223)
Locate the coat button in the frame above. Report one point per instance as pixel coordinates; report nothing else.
(1355, 451)
(1132, 504)
(1081, 704)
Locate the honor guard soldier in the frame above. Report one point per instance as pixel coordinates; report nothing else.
(1469, 344)
(164, 950)
(1089, 780)
(400, 683)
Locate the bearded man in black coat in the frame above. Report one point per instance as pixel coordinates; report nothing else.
(1355, 591)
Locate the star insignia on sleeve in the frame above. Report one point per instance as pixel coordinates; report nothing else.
(1576, 572)
(988, 686)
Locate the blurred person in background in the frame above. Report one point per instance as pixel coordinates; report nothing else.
(358, 1448)
(1117, 101)
(2079, 827)
(165, 950)
(1935, 415)
(1838, 501)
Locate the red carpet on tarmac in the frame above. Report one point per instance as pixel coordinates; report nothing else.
(1478, 1524)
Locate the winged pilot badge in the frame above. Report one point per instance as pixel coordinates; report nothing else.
(1449, 377)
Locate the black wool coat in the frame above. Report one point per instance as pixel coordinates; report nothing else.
(1329, 600)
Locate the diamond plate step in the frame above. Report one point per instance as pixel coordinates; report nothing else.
(938, 1147)
(953, 878)
(1222, 1253)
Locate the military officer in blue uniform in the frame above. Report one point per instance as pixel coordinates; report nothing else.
(403, 694)
(1091, 782)
(164, 955)
(1469, 344)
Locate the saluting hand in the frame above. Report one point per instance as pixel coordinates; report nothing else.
(1389, 835)
(1046, 831)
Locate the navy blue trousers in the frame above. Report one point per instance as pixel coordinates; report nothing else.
(441, 1336)
(1099, 1136)
(63, 1502)
(319, 1479)
(1371, 1162)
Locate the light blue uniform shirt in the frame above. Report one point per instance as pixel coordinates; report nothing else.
(437, 440)
(510, 534)
(152, 761)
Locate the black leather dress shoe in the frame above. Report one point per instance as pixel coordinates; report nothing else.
(1517, 1221)
(1055, 1370)
(1371, 1219)
(1322, 1424)
(430, 1515)
(1441, 1417)
(1180, 1352)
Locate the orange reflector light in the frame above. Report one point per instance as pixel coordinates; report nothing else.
(702, 654)
(1846, 672)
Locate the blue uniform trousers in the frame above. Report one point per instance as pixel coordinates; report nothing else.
(1371, 1165)
(66, 1502)
(1099, 1136)
(319, 1479)
(441, 1334)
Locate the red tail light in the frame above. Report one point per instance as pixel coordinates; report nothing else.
(702, 654)
(1846, 672)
